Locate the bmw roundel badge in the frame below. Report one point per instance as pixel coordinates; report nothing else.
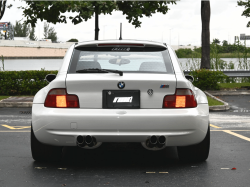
(150, 92)
(121, 85)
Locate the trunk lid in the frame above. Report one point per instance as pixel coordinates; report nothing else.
(89, 87)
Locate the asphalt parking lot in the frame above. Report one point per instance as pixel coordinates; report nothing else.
(130, 164)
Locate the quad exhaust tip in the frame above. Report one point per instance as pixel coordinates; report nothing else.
(156, 141)
(88, 141)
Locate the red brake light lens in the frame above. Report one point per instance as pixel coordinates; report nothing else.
(118, 44)
(183, 98)
(58, 98)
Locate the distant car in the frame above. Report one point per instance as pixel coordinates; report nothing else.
(120, 91)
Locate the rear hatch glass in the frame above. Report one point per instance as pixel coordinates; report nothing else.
(147, 77)
(129, 60)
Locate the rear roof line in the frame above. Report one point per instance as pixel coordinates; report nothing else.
(135, 43)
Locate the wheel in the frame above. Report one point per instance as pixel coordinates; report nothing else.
(198, 152)
(43, 152)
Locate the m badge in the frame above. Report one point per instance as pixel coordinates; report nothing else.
(164, 86)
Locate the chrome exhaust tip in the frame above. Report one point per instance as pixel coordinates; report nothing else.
(88, 140)
(161, 140)
(80, 140)
(153, 139)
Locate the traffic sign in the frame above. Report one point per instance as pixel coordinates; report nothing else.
(3, 25)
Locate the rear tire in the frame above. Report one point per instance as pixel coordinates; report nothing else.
(196, 153)
(43, 152)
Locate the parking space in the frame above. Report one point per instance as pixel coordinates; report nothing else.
(126, 164)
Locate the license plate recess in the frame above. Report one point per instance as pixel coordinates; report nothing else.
(121, 99)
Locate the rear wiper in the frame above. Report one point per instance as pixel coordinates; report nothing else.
(97, 70)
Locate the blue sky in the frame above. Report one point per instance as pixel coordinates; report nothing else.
(182, 22)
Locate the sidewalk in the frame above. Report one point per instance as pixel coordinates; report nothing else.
(230, 92)
(17, 102)
(225, 93)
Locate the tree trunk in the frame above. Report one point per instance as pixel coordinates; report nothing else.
(205, 35)
(96, 22)
(2, 8)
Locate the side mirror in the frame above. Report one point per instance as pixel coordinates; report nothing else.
(190, 78)
(50, 77)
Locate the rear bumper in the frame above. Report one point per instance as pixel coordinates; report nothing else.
(61, 126)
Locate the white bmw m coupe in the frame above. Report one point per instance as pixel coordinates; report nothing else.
(120, 91)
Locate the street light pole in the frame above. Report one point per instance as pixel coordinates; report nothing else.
(178, 41)
(170, 36)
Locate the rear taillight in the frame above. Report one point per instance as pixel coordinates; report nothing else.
(58, 98)
(183, 98)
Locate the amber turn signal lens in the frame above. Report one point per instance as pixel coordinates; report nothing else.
(180, 101)
(61, 101)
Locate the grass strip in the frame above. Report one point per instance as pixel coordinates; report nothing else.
(3, 97)
(233, 85)
(213, 102)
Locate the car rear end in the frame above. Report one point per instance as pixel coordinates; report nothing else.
(151, 102)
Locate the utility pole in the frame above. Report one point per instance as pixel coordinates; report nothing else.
(104, 31)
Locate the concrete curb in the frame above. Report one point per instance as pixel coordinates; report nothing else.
(218, 107)
(15, 104)
(5, 104)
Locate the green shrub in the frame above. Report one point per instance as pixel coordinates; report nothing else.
(183, 52)
(207, 80)
(72, 40)
(23, 82)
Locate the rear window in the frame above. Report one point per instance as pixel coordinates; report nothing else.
(127, 61)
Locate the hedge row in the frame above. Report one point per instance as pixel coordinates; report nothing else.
(30, 82)
(208, 80)
(23, 82)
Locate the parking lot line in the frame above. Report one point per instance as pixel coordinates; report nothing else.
(14, 131)
(15, 127)
(214, 126)
(230, 130)
(237, 135)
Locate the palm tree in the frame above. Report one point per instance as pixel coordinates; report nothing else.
(205, 34)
